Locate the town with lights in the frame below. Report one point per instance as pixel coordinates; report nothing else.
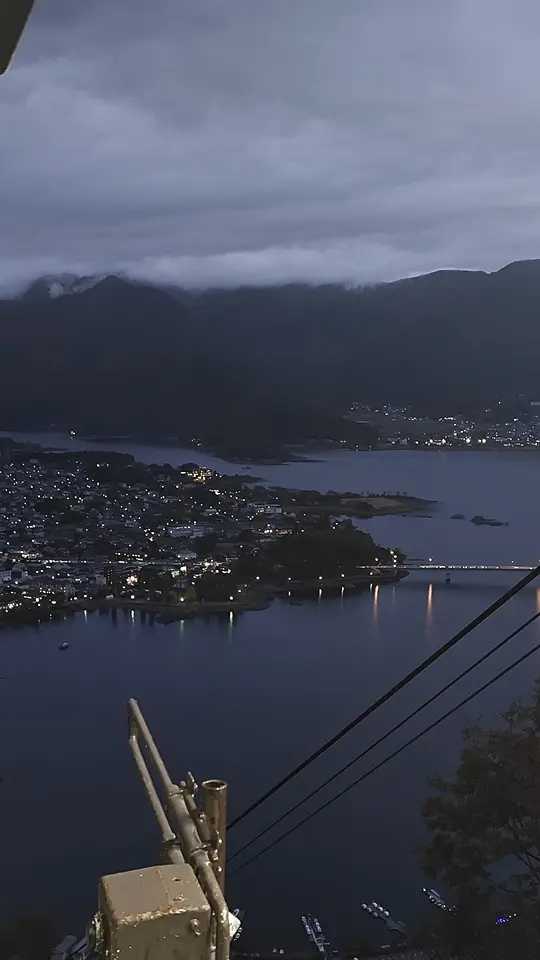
(505, 425)
(81, 531)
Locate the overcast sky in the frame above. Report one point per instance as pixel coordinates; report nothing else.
(226, 141)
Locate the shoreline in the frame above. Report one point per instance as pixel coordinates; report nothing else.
(362, 506)
(173, 612)
(262, 600)
(294, 455)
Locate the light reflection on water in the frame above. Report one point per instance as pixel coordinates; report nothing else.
(429, 607)
(376, 604)
(389, 595)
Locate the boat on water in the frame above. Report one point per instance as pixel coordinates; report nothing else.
(64, 645)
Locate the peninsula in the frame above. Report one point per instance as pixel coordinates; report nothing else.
(82, 530)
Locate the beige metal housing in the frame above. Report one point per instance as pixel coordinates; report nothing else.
(158, 913)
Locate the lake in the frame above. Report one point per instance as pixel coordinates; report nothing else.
(245, 699)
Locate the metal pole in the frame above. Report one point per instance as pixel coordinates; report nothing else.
(167, 834)
(214, 801)
(136, 717)
(183, 835)
(198, 816)
(196, 855)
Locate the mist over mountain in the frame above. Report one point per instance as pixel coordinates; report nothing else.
(249, 369)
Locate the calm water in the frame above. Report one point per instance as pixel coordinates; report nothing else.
(246, 699)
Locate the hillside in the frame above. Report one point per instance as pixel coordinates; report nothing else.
(249, 369)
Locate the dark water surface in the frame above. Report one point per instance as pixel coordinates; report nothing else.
(246, 699)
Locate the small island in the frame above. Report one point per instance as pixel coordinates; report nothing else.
(86, 530)
(481, 521)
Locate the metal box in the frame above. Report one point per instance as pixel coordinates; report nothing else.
(158, 913)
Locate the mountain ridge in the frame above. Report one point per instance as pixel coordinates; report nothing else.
(76, 282)
(252, 368)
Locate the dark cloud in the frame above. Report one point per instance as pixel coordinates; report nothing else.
(217, 141)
